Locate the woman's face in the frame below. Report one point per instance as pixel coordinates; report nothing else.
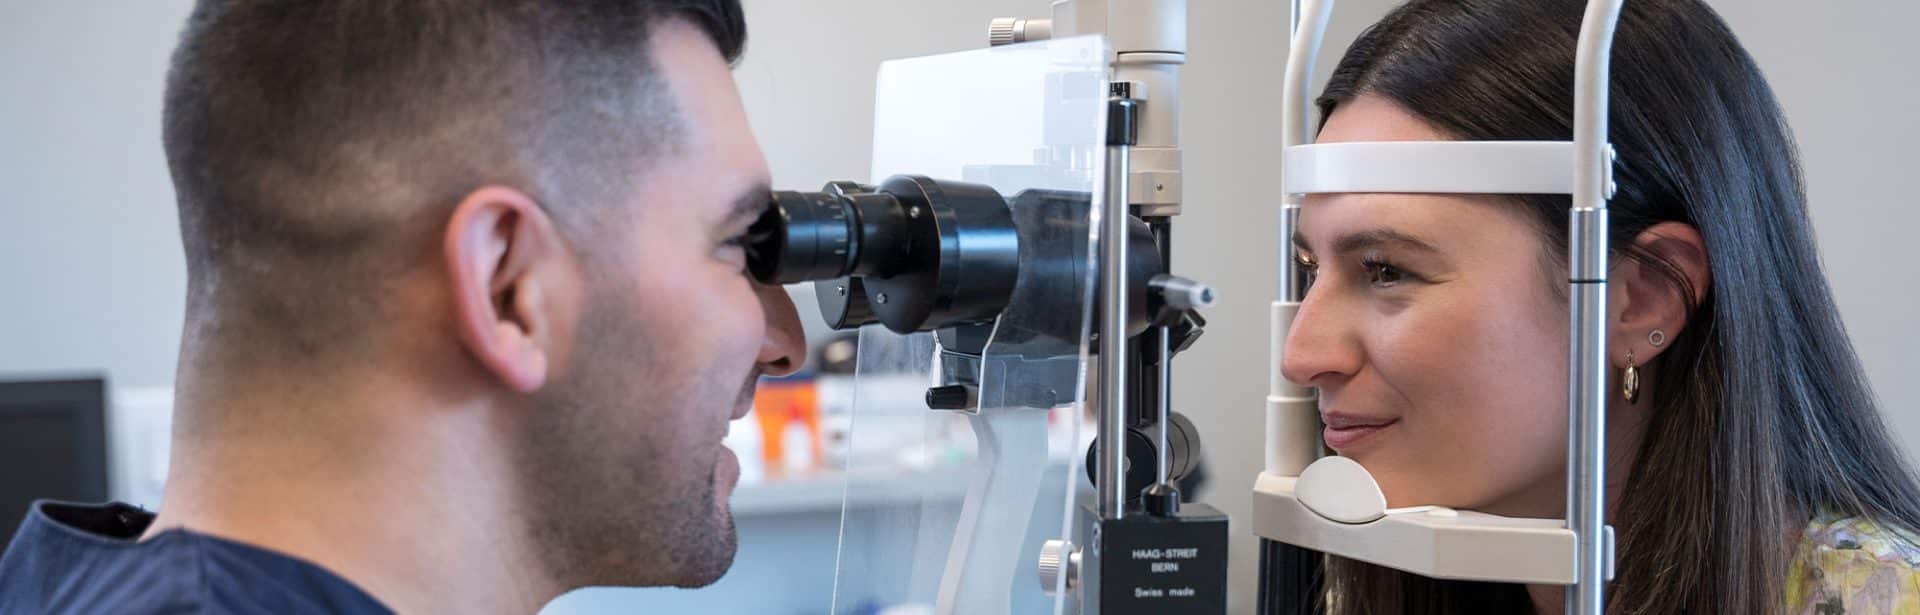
(1434, 336)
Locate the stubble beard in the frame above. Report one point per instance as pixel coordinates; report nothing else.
(612, 506)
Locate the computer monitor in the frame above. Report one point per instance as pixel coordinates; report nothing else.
(53, 444)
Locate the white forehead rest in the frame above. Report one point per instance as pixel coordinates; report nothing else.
(1459, 167)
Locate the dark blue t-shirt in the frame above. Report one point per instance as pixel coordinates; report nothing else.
(75, 558)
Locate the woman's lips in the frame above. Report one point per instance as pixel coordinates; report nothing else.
(1346, 431)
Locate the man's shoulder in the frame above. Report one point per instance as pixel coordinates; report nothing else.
(88, 559)
(42, 576)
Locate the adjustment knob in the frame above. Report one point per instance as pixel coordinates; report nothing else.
(1181, 293)
(952, 397)
(1010, 30)
(1059, 557)
(1000, 31)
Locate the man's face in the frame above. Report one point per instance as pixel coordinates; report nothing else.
(630, 481)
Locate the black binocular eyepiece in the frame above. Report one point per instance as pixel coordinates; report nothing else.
(913, 253)
(918, 254)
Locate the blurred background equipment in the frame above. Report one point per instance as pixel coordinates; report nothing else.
(53, 444)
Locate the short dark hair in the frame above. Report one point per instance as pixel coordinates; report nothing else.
(309, 139)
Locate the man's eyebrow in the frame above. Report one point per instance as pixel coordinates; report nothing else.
(748, 206)
(1372, 238)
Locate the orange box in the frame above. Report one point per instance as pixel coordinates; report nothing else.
(778, 404)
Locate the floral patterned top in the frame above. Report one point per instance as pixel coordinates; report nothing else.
(1854, 566)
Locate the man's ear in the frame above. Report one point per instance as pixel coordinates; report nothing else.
(508, 269)
(1645, 297)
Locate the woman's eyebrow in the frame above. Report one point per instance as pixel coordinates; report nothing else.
(1369, 239)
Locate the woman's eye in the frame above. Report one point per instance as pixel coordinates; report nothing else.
(1383, 274)
(1308, 267)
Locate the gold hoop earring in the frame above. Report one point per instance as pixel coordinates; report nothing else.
(1630, 381)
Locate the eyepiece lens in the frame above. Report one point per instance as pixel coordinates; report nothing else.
(803, 236)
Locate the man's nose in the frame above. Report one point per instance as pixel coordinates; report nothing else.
(1321, 346)
(784, 351)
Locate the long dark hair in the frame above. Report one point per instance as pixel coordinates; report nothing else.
(1763, 416)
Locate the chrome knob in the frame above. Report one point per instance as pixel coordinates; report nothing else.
(1058, 557)
(1010, 30)
(1001, 30)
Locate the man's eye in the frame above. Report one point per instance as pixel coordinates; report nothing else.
(735, 250)
(749, 241)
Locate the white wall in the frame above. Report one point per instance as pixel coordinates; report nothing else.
(1844, 72)
(91, 275)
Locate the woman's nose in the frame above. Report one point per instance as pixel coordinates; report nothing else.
(1320, 346)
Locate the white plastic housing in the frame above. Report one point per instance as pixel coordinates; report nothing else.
(1436, 542)
(1469, 167)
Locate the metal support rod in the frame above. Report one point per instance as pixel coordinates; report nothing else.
(1289, 574)
(1587, 364)
(1587, 408)
(1113, 338)
(1587, 423)
(1163, 346)
(1293, 285)
(1303, 43)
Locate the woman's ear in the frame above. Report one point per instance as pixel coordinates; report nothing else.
(508, 280)
(1649, 306)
